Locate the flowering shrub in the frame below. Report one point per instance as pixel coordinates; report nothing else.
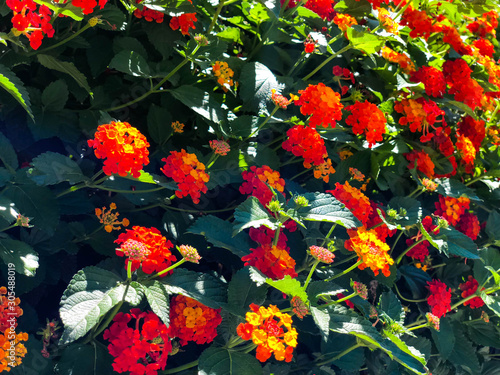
(249, 187)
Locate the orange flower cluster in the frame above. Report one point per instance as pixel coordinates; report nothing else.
(371, 250)
(421, 115)
(193, 321)
(184, 22)
(386, 21)
(178, 127)
(324, 170)
(257, 181)
(468, 288)
(358, 203)
(148, 242)
(485, 25)
(149, 14)
(304, 141)
(484, 47)
(265, 327)
(9, 312)
(224, 74)
(188, 172)
(433, 80)
(344, 21)
(30, 22)
(109, 219)
(424, 162)
(401, 59)
(466, 150)
(451, 208)
(322, 103)
(490, 66)
(123, 146)
(452, 37)
(366, 118)
(273, 261)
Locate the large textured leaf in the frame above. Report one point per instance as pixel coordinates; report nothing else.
(316, 289)
(91, 293)
(336, 344)
(252, 214)
(131, 63)
(289, 286)
(219, 233)
(364, 41)
(15, 87)
(159, 124)
(51, 168)
(453, 188)
(463, 354)
(242, 292)
(55, 96)
(483, 333)
(256, 83)
(325, 207)
(201, 102)
(458, 243)
(19, 253)
(493, 302)
(416, 280)
(159, 300)
(8, 155)
(204, 288)
(444, 339)
(51, 62)
(493, 227)
(490, 257)
(90, 359)
(221, 361)
(322, 319)
(391, 305)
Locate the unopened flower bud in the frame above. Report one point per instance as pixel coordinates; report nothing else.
(93, 21)
(442, 222)
(201, 40)
(299, 307)
(274, 206)
(23, 221)
(135, 250)
(433, 321)
(321, 254)
(189, 253)
(301, 201)
(361, 289)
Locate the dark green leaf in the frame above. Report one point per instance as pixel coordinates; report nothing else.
(316, 289)
(8, 154)
(404, 204)
(131, 63)
(159, 300)
(256, 83)
(242, 292)
(201, 102)
(51, 62)
(89, 296)
(453, 188)
(483, 333)
(354, 8)
(55, 96)
(252, 214)
(493, 302)
(322, 319)
(490, 257)
(337, 344)
(223, 361)
(444, 339)
(51, 168)
(463, 354)
(204, 288)
(416, 280)
(79, 359)
(458, 243)
(15, 87)
(391, 305)
(219, 233)
(493, 227)
(24, 258)
(159, 124)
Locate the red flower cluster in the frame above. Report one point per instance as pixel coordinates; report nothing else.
(475, 130)
(184, 22)
(188, 172)
(424, 162)
(30, 22)
(322, 103)
(440, 298)
(142, 351)
(88, 5)
(421, 250)
(273, 261)
(451, 208)
(469, 225)
(452, 37)
(149, 14)
(257, 181)
(466, 89)
(401, 59)
(358, 203)
(343, 74)
(123, 146)
(304, 141)
(433, 80)
(366, 118)
(484, 46)
(485, 25)
(468, 288)
(419, 23)
(193, 321)
(154, 249)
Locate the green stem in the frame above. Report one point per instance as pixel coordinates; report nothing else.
(416, 323)
(419, 326)
(212, 160)
(299, 174)
(216, 15)
(64, 41)
(328, 234)
(345, 271)
(276, 236)
(346, 48)
(175, 265)
(407, 299)
(9, 227)
(338, 301)
(346, 260)
(400, 257)
(415, 191)
(129, 270)
(297, 63)
(348, 350)
(313, 268)
(395, 242)
(127, 191)
(261, 125)
(159, 84)
(180, 368)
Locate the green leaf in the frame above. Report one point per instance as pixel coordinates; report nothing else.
(242, 292)
(463, 354)
(8, 154)
(223, 361)
(354, 8)
(416, 280)
(256, 83)
(325, 207)
(51, 168)
(364, 41)
(316, 289)
(453, 188)
(336, 344)
(391, 305)
(131, 63)
(22, 255)
(493, 302)
(201, 102)
(322, 319)
(79, 359)
(55, 96)
(402, 204)
(483, 333)
(289, 286)
(493, 227)
(159, 300)
(219, 233)
(15, 87)
(203, 287)
(91, 293)
(404, 347)
(51, 62)
(252, 214)
(37, 202)
(458, 243)
(490, 257)
(444, 339)
(231, 34)
(159, 124)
